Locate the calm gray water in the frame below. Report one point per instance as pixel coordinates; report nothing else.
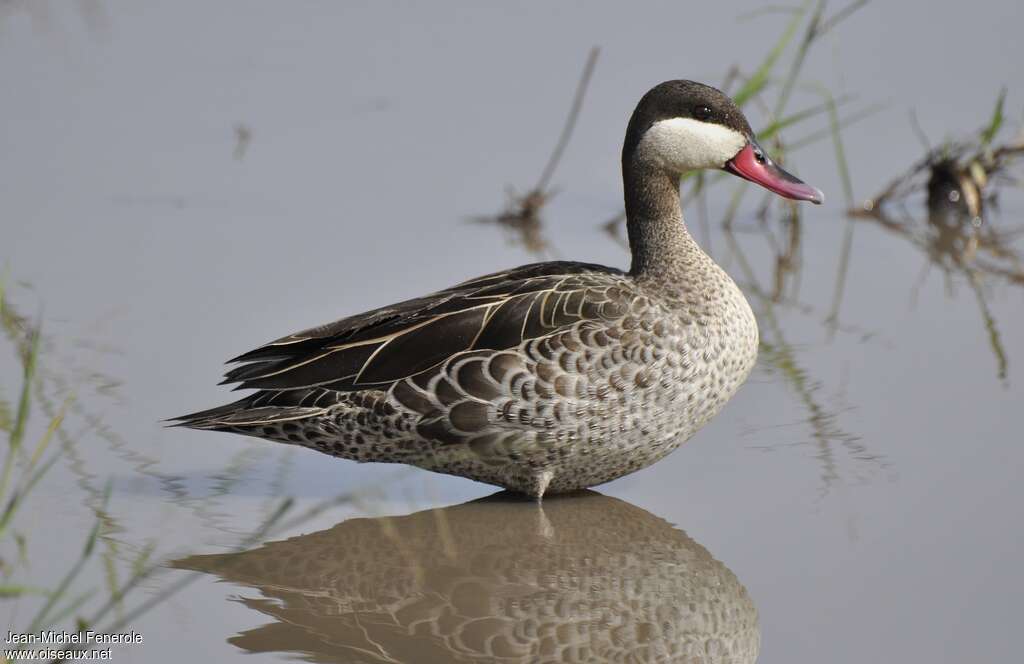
(180, 182)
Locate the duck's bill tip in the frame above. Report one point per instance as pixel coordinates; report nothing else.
(753, 163)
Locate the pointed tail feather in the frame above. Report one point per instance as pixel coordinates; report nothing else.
(245, 413)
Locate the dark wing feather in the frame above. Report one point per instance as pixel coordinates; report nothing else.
(379, 347)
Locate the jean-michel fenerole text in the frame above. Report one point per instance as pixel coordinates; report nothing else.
(55, 637)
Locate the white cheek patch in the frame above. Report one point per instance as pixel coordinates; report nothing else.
(685, 144)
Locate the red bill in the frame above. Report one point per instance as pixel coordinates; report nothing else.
(753, 163)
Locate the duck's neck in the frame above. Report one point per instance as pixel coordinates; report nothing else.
(658, 239)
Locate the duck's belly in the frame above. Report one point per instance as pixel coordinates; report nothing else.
(598, 403)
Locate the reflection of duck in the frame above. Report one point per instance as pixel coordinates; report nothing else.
(546, 377)
(583, 578)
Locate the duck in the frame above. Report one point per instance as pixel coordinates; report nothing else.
(546, 378)
(581, 578)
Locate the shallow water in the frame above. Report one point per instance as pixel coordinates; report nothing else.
(180, 183)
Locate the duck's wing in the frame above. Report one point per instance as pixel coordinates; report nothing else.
(374, 349)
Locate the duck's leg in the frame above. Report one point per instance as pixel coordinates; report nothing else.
(538, 484)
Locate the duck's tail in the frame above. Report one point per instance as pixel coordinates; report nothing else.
(351, 425)
(257, 412)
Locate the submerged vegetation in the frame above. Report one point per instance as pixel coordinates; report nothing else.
(521, 216)
(959, 176)
(64, 600)
(957, 229)
(36, 425)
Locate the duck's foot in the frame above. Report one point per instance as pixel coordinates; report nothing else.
(539, 484)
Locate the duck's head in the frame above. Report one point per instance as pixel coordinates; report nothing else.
(682, 126)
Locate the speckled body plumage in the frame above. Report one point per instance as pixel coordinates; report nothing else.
(574, 408)
(546, 378)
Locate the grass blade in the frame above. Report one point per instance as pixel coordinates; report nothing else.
(17, 497)
(844, 122)
(797, 117)
(70, 608)
(51, 429)
(8, 591)
(41, 617)
(570, 121)
(21, 417)
(145, 606)
(6, 418)
(990, 131)
(757, 82)
(835, 128)
(813, 27)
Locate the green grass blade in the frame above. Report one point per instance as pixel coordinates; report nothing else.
(759, 79)
(990, 131)
(47, 436)
(6, 417)
(29, 372)
(844, 122)
(41, 618)
(141, 561)
(34, 475)
(18, 497)
(797, 117)
(145, 606)
(810, 34)
(835, 128)
(70, 607)
(8, 591)
(21, 417)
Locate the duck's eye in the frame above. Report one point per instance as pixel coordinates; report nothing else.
(701, 112)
